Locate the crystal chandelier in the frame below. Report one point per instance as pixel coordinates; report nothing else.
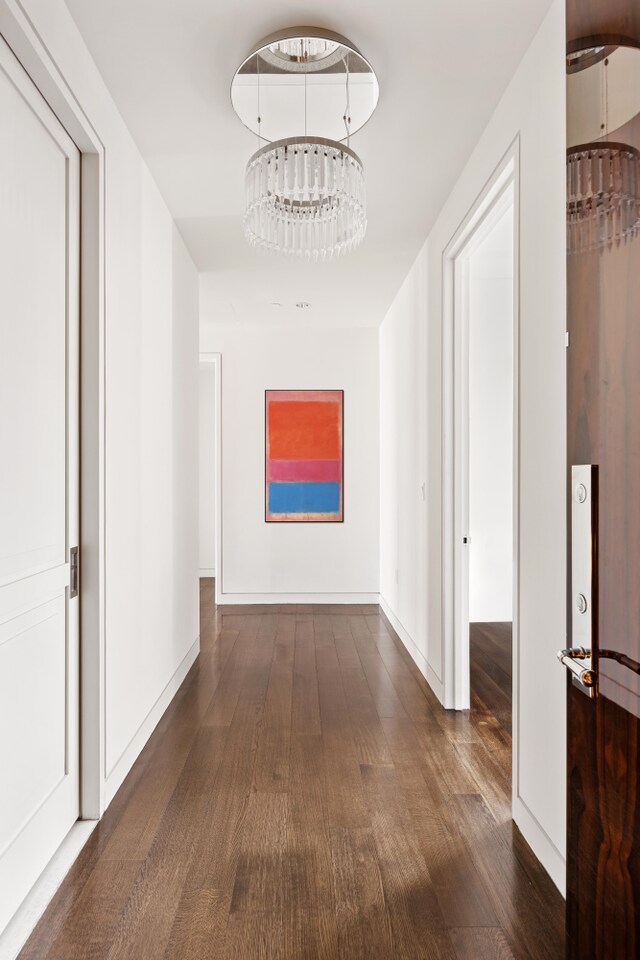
(305, 195)
(603, 176)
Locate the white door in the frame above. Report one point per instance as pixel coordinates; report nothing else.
(39, 460)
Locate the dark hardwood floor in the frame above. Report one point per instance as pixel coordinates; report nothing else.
(490, 649)
(306, 798)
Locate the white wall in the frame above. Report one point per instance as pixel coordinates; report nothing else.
(532, 107)
(207, 385)
(491, 425)
(151, 351)
(404, 529)
(296, 562)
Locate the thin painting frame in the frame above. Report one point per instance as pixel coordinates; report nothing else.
(304, 480)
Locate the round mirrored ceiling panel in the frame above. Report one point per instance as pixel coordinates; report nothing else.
(603, 95)
(304, 81)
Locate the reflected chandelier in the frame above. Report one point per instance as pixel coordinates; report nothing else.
(603, 195)
(305, 195)
(603, 176)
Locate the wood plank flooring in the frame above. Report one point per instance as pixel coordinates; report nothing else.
(490, 649)
(305, 797)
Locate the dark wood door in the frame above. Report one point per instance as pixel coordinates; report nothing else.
(603, 279)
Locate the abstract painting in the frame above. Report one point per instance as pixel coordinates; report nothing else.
(304, 456)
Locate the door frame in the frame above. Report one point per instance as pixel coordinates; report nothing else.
(21, 36)
(216, 360)
(455, 430)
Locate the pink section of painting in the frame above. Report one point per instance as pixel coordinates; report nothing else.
(297, 470)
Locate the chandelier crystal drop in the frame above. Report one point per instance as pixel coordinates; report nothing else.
(305, 197)
(603, 196)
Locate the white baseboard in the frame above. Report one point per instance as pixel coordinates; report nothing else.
(416, 655)
(207, 572)
(544, 849)
(122, 767)
(23, 922)
(251, 598)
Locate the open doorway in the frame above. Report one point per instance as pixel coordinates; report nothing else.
(481, 455)
(490, 312)
(209, 522)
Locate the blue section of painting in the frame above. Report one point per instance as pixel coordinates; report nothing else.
(304, 497)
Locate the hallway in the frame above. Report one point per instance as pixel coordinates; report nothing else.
(305, 796)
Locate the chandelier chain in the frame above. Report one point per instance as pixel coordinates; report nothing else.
(259, 110)
(347, 110)
(606, 98)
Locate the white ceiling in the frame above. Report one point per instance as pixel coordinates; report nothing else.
(442, 65)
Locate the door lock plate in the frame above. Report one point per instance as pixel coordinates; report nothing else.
(579, 658)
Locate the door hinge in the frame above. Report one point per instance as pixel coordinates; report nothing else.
(74, 575)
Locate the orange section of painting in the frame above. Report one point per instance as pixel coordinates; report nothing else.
(304, 430)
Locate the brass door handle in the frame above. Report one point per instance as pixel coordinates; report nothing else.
(570, 658)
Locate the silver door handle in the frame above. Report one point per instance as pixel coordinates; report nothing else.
(74, 573)
(570, 658)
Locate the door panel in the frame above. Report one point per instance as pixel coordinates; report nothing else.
(33, 643)
(33, 358)
(603, 376)
(39, 643)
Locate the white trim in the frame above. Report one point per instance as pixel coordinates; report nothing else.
(491, 214)
(22, 36)
(516, 800)
(136, 745)
(24, 920)
(93, 489)
(416, 655)
(216, 360)
(541, 844)
(334, 598)
(455, 653)
(207, 572)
